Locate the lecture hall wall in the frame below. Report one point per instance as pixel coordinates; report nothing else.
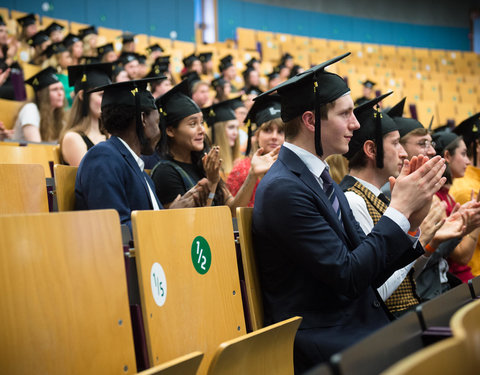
(419, 23)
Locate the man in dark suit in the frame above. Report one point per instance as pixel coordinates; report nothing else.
(314, 260)
(111, 174)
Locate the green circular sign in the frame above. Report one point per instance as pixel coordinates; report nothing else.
(201, 255)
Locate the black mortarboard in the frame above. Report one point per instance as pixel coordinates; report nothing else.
(447, 127)
(246, 72)
(188, 61)
(2, 21)
(70, 39)
(397, 109)
(373, 126)
(219, 112)
(89, 60)
(369, 84)
(253, 90)
(153, 48)
(308, 91)
(102, 50)
(469, 130)
(127, 37)
(252, 61)
(53, 27)
(163, 60)
(405, 125)
(27, 20)
(225, 63)
(87, 31)
(54, 49)
(142, 59)
(237, 103)
(176, 104)
(205, 56)
(263, 110)
(91, 76)
(191, 77)
(295, 70)
(158, 68)
(42, 79)
(217, 82)
(442, 140)
(128, 57)
(38, 39)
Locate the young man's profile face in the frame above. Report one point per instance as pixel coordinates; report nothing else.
(338, 129)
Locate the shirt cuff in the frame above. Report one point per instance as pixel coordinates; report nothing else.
(399, 218)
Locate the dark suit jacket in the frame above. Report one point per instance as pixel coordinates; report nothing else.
(312, 266)
(109, 177)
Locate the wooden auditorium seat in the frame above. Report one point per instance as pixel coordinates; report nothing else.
(474, 285)
(266, 351)
(252, 282)
(8, 112)
(382, 348)
(188, 281)
(65, 176)
(22, 188)
(41, 154)
(64, 295)
(185, 365)
(246, 39)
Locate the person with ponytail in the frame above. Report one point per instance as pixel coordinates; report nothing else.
(83, 129)
(43, 119)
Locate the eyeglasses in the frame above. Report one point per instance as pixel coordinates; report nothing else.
(426, 144)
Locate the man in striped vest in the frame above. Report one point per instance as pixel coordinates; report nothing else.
(375, 154)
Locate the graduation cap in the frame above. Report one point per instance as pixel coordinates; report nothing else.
(154, 48)
(27, 20)
(87, 31)
(188, 61)
(295, 70)
(225, 63)
(106, 48)
(405, 125)
(142, 59)
(54, 49)
(163, 60)
(246, 72)
(252, 61)
(191, 77)
(127, 37)
(90, 60)
(42, 79)
(442, 140)
(127, 57)
(70, 39)
(158, 68)
(253, 90)
(89, 76)
(273, 75)
(368, 84)
(307, 91)
(38, 39)
(219, 112)
(176, 104)
(53, 27)
(263, 110)
(469, 130)
(237, 103)
(218, 82)
(205, 56)
(373, 126)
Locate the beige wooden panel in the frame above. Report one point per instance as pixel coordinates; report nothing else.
(185, 365)
(31, 154)
(23, 189)
(446, 111)
(425, 110)
(266, 351)
(246, 39)
(48, 20)
(249, 263)
(64, 295)
(65, 176)
(75, 26)
(200, 310)
(110, 35)
(8, 112)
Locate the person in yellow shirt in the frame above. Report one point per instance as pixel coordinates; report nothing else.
(462, 188)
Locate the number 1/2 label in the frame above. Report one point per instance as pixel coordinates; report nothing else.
(201, 255)
(159, 284)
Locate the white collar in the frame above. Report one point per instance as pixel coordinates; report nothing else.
(376, 191)
(313, 163)
(137, 158)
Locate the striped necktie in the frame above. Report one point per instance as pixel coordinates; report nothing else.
(330, 192)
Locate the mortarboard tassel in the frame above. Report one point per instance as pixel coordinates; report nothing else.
(378, 137)
(318, 132)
